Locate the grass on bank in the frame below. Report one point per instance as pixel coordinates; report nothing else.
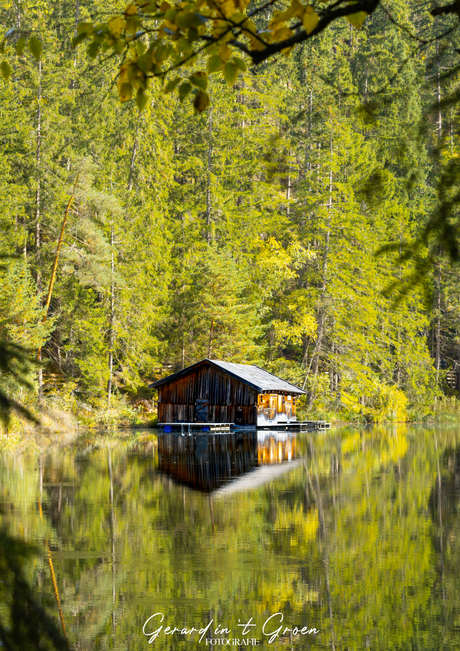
(63, 415)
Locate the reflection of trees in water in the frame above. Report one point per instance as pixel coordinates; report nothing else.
(444, 506)
(351, 539)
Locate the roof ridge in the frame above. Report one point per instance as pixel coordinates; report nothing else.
(223, 361)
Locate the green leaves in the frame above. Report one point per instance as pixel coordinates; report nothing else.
(239, 64)
(200, 80)
(201, 102)
(357, 19)
(161, 53)
(125, 91)
(145, 62)
(20, 45)
(141, 99)
(215, 63)
(35, 47)
(184, 90)
(6, 70)
(175, 34)
(93, 50)
(186, 19)
(232, 68)
(84, 30)
(230, 73)
(171, 85)
(78, 39)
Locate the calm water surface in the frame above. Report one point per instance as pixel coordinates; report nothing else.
(356, 533)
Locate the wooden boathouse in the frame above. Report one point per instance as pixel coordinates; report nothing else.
(212, 391)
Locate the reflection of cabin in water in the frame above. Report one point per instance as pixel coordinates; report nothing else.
(208, 461)
(222, 392)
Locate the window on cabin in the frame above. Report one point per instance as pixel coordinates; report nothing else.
(264, 400)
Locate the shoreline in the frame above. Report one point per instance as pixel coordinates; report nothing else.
(43, 439)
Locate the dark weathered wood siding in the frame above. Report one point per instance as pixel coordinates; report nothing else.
(225, 395)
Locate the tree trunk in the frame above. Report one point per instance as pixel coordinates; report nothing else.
(211, 339)
(112, 319)
(438, 92)
(316, 492)
(208, 181)
(438, 282)
(38, 276)
(77, 15)
(133, 156)
(451, 116)
(438, 325)
(288, 190)
(51, 284)
(321, 309)
(112, 536)
(305, 347)
(77, 19)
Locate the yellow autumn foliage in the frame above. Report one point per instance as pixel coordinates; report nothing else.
(382, 402)
(300, 526)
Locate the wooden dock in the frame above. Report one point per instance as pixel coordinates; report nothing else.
(314, 424)
(189, 428)
(302, 426)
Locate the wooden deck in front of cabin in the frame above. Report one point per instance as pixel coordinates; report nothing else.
(189, 428)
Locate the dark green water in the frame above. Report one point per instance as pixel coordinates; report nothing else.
(360, 540)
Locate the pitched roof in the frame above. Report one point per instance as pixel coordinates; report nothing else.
(252, 375)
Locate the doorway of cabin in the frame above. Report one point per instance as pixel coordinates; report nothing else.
(201, 411)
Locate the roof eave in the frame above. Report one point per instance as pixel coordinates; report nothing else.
(184, 371)
(176, 375)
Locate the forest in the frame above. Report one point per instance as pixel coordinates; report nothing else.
(300, 222)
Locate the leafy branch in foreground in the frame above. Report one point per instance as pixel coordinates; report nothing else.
(156, 38)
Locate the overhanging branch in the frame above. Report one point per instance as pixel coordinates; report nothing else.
(454, 8)
(367, 6)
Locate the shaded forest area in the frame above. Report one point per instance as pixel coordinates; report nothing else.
(249, 232)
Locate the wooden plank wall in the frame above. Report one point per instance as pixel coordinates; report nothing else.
(176, 399)
(168, 413)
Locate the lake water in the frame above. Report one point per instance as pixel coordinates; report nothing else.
(351, 536)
